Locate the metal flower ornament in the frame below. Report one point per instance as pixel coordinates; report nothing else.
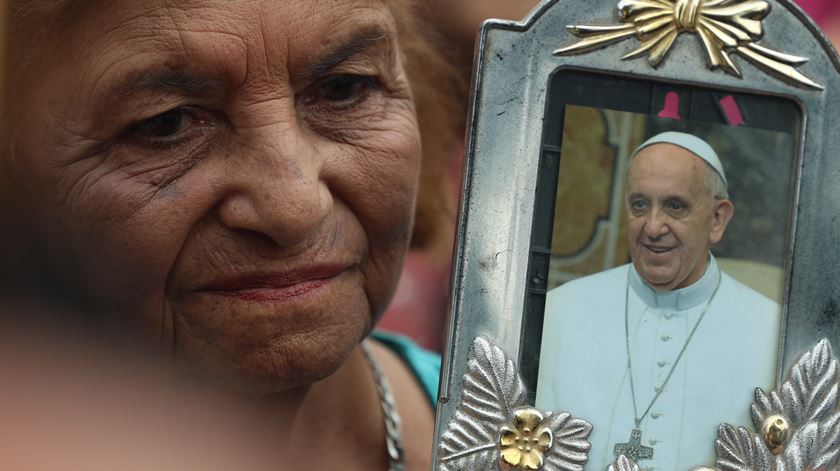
(725, 28)
(494, 428)
(524, 443)
(798, 426)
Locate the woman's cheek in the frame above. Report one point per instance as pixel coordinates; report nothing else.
(127, 238)
(391, 162)
(383, 180)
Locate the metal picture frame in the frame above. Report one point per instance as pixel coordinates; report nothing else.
(756, 49)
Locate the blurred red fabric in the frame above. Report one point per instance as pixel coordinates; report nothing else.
(819, 10)
(418, 309)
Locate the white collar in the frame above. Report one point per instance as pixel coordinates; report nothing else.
(679, 299)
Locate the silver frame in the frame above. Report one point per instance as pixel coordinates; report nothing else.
(513, 63)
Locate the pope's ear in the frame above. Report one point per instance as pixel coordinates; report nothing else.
(724, 210)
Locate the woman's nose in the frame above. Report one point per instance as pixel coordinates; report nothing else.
(277, 190)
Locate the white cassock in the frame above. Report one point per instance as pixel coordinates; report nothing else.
(583, 361)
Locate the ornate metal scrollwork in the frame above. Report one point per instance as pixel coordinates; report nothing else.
(494, 429)
(798, 425)
(725, 28)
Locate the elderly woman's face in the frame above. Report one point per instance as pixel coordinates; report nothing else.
(240, 176)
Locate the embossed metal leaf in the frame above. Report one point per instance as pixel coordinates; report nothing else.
(764, 406)
(623, 464)
(811, 393)
(809, 402)
(571, 446)
(739, 450)
(492, 390)
(828, 454)
(814, 446)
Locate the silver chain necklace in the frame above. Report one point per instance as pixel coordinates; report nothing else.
(393, 437)
(634, 449)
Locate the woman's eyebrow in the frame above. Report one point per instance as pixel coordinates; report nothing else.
(193, 85)
(361, 41)
(157, 80)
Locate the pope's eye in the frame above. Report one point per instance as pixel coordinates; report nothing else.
(675, 205)
(345, 88)
(638, 205)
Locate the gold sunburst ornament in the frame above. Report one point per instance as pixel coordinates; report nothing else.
(725, 27)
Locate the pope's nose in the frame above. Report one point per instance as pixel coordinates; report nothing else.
(656, 225)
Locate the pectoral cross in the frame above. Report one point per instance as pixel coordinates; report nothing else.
(634, 449)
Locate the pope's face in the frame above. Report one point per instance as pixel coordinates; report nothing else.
(239, 177)
(673, 219)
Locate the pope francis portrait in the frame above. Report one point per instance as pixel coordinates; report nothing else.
(656, 354)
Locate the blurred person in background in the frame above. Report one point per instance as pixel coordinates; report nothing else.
(232, 187)
(419, 307)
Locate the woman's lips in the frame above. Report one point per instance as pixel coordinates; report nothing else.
(274, 287)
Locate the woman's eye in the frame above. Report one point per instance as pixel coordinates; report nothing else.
(345, 88)
(165, 127)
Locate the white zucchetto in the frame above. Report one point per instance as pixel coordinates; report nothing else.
(691, 143)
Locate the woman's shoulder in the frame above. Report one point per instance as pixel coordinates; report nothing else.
(423, 364)
(413, 375)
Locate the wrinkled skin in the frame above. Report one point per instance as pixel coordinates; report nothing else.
(673, 218)
(238, 177)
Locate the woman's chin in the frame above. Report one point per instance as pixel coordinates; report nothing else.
(267, 343)
(283, 364)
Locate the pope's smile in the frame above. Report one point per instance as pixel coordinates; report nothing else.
(658, 250)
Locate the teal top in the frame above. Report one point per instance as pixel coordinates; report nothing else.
(424, 364)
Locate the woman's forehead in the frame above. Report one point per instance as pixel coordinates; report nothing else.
(298, 27)
(222, 38)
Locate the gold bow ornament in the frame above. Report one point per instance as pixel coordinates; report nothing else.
(725, 27)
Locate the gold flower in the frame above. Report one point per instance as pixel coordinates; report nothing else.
(524, 444)
(725, 27)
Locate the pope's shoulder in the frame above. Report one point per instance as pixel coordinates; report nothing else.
(569, 308)
(736, 291)
(601, 287)
(599, 290)
(587, 285)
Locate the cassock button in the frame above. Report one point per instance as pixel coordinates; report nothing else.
(662, 364)
(656, 415)
(665, 338)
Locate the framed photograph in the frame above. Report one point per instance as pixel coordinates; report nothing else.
(646, 275)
